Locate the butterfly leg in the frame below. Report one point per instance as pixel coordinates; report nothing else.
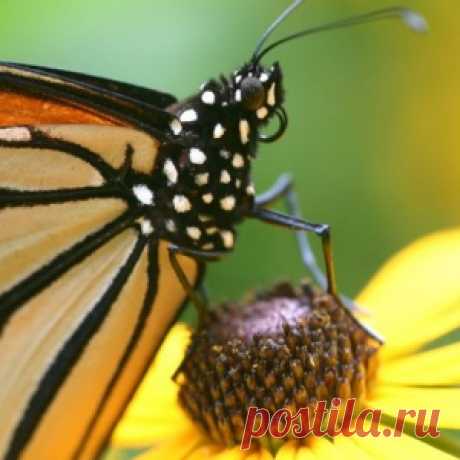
(283, 188)
(199, 298)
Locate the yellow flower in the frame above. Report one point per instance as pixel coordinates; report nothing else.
(414, 301)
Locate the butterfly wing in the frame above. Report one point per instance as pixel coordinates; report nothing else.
(85, 297)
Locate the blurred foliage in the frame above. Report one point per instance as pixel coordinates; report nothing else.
(373, 111)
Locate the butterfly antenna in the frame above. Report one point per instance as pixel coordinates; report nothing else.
(410, 18)
(274, 25)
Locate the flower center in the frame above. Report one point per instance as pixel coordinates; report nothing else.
(286, 349)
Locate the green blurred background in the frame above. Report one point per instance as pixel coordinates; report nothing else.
(373, 111)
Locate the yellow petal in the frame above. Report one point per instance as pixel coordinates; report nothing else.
(392, 398)
(262, 454)
(173, 449)
(398, 448)
(154, 412)
(350, 450)
(305, 453)
(229, 454)
(288, 451)
(440, 366)
(209, 451)
(415, 297)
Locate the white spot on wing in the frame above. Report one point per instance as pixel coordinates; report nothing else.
(211, 230)
(238, 95)
(208, 97)
(225, 154)
(250, 190)
(181, 203)
(188, 116)
(207, 246)
(238, 78)
(146, 226)
(143, 194)
(15, 134)
(171, 226)
(197, 156)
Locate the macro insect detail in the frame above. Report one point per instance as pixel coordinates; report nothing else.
(204, 188)
(112, 199)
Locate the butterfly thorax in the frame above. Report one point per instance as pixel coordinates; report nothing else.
(205, 186)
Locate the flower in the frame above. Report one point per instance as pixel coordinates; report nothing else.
(414, 300)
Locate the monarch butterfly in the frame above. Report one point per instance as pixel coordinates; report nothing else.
(112, 199)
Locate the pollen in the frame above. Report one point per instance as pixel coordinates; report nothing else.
(285, 348)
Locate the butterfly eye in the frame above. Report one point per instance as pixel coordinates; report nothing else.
(252, 93)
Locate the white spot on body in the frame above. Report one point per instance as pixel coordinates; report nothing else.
(238, 161)
(143, 194)
(170, 226)
(170, 171)
(208, 97)
(202, 179)
(197, 156)
(238, 95)
(193, 232)
(228, 203)
(204, 218)
(238, 183)
(227, 238)
(225, 177)
(271, 95)
(263, 77)
(181, 203)
(208, 198)
(261, 113)
(218, 132)
(244, 131)
(225, 154)
(176, 126)
(188, 116)
(15, 134)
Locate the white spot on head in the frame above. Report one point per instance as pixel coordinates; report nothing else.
(228, 203)
(143, 194)
(146, 226)
(170, 226)
(202, 179)
(218, 132)
(15, 134)
(227, 238)
(238, 160)
(188, 116)
(263, 77)
(208, 97)
(181, 203)
(207, 246)
(193, 232)
(238, 95)
(225, 154)
(238, 78)
(244, 131)
(225, 177)
(208, 198)
(176, 126)
(170, 171)
(197, 156)
(261, 113)
(250, 190)
(211, 230)
(271, 95)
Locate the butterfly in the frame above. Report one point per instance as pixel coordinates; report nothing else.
(113, 197)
